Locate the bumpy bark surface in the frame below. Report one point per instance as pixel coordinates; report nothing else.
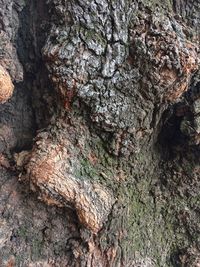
(104, 129)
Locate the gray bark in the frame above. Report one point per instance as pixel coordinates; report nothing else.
(100, 140)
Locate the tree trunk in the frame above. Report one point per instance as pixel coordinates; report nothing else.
(99, 133)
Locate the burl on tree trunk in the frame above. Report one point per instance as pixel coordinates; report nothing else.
(120, 148)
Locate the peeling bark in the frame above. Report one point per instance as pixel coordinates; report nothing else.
(6, 85)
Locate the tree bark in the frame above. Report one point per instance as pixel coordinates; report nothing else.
(99, 141)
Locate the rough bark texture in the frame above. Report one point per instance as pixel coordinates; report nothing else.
(99, 142)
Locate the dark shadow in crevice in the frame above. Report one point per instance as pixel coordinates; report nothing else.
(176, 137)
(170, 136)
(34, 97)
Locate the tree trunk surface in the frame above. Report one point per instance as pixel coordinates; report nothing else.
(99, 133)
